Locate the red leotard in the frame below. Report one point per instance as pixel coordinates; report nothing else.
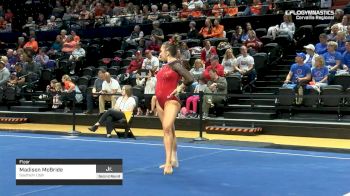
(167, 81)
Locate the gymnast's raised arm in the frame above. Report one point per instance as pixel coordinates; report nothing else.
(188, 78)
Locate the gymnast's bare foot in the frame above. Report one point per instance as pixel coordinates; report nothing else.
(174, 163)
(168, 169)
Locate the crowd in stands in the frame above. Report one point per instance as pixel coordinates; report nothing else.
(107, 13)
(22, 66)
(322, 62)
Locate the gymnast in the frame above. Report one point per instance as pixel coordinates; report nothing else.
(168, 103)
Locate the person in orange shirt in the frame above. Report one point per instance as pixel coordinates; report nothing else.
(69, 92)
(218, 30)
(207, 30)
(76, 38)
(3, 23)
(69, 45)
(219, 8)
(99, 10)
(232, 10)
(196, 12)
(32, 44)
(185, 12)
(254, 9)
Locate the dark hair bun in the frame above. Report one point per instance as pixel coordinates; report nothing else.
(175, 40)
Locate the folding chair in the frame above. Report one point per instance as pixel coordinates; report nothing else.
(286, 101)
(260, 60)
(125, 124)
(343, 80)
(288, 98)
(311, 101)
(332, 90)
(88, 71)
(192, 42)
(273, 51)
(260, 32)
(234, 84)
(84, 80)
(283, 41)
(266, 39)
(336, 102)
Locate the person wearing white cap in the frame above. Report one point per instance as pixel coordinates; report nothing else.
(310, 55)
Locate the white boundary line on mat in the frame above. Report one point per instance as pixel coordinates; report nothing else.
(181, 146)
(39, 190)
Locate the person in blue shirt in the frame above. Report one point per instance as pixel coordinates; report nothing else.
(319, 74)
(334, 30)
(332, 57)
(298, 76)
(346, 55)
(333, 60)
(321, 47)
(299, 72)
(341, 42)
(248, 27)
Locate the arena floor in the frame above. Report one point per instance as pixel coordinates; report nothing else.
(224, 165)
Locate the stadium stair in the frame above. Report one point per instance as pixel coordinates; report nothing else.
(30, 106)
(262, 108)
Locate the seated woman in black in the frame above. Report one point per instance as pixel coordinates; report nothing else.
(125, 103)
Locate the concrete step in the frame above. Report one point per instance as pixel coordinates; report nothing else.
(276, 76)
(250, 115)
(250, 108)
(280, 80)
(4, 108)
(267, 89)
(279, 71)
(33, 103)
(29, 108)
(257, 101)
(270, 83)
(283, 66)
(262, 94)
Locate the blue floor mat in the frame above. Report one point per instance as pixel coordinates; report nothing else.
(204, 169)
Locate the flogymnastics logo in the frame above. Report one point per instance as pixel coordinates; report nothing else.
(311, 14)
